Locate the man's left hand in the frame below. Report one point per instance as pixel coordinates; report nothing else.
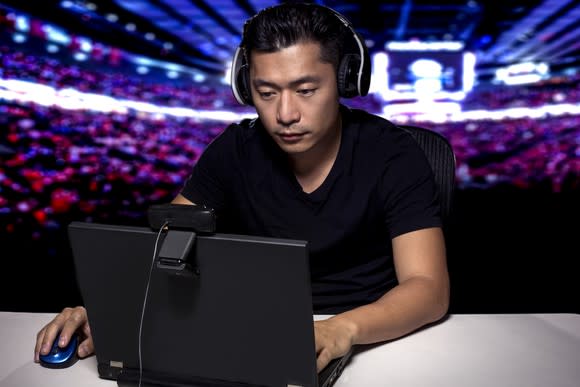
(334, 337)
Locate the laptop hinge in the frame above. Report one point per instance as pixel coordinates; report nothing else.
(131, 378)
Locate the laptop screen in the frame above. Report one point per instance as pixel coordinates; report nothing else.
(244, 314)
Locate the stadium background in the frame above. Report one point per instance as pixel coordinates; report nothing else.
(106, 105)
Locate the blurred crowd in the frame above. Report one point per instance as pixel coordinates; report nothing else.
(105, 80)
(555, 90)
(58, 165)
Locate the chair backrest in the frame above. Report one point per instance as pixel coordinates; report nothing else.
(441, 156)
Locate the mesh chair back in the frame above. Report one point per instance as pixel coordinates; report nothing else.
(442, 159)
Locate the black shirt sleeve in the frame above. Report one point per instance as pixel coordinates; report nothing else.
(210, 179)
(411, 201)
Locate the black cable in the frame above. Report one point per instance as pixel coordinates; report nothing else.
(161, 229)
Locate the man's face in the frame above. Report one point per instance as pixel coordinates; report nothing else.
(296, 97)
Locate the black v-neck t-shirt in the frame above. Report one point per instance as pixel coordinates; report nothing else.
(380, 186)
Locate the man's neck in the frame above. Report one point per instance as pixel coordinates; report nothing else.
(312, 168)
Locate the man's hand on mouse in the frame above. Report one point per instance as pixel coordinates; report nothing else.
(69, 321)
(334, 337)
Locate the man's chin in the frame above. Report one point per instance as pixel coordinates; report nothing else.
(294, 149)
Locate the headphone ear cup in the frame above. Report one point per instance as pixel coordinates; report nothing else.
(243, 84)
(240, 78)
(347, 76)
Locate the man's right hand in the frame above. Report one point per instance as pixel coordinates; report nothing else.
(69, 321)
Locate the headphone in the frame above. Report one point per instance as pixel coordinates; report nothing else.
(353, 73)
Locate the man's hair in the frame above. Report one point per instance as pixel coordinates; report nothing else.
(287, 24)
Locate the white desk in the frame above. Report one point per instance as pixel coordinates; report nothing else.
(464, 350)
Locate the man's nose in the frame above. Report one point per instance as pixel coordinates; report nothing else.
(288, 111)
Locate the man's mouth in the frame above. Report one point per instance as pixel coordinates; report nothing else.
(291, 137)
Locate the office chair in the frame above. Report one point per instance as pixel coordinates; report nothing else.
(441, 156)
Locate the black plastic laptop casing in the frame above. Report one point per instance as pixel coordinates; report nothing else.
(244, 317)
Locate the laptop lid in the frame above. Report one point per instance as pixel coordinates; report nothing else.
(244, 317)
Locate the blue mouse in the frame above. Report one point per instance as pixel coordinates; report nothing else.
(61, 357)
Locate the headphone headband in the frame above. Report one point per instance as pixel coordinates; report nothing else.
(353, 73)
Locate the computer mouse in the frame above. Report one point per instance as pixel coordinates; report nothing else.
(61, 357)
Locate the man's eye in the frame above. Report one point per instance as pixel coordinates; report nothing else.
(266, 94)
(306, 91)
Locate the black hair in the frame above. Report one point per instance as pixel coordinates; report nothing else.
(286, 24)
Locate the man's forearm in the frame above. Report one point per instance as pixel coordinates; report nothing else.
(405, 308)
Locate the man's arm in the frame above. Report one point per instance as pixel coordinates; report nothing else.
(180, 199)
(421, 297)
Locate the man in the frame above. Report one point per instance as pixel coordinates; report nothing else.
(354, 185)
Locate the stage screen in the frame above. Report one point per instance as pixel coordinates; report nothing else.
(417, 71)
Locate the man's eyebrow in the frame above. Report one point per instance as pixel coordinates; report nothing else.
(297, 82)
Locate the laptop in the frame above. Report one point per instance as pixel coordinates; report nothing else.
(239, 315)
